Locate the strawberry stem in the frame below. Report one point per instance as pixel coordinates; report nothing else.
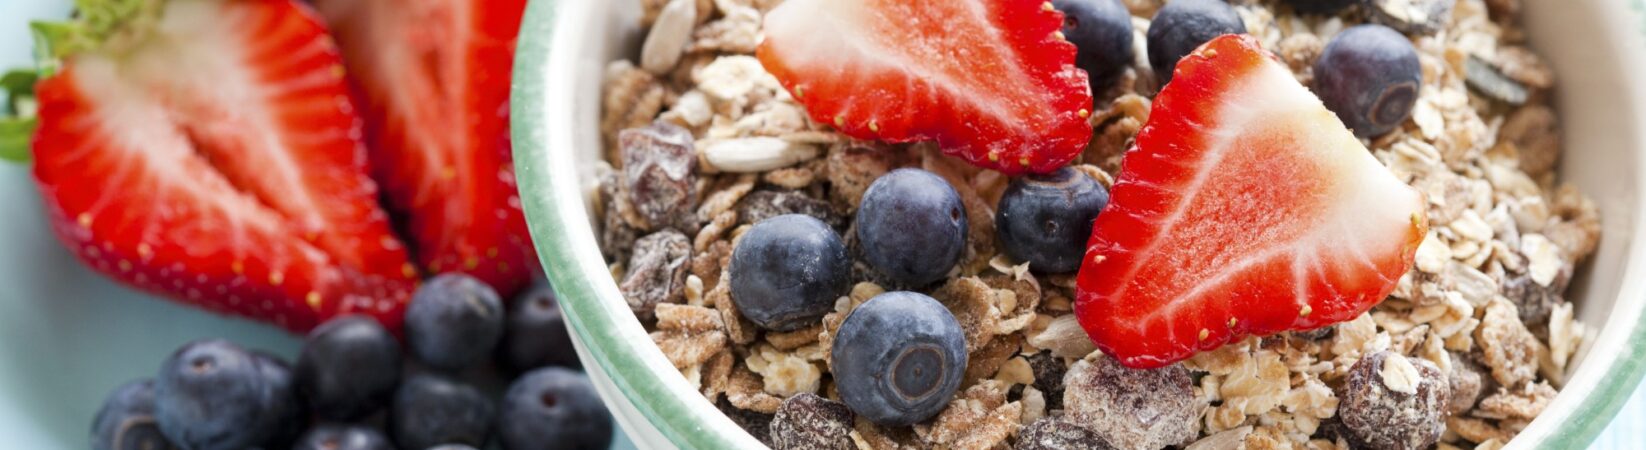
(96, 24)
(104, 25)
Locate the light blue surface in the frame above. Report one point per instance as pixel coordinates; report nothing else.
(68, 336)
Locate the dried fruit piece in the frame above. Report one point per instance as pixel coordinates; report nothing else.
(1389, 401)
(1533, 300)
(617, 236)
(756, 423)
(1132, 408)
(765, 204)
(1535, 132)
(1048, 377)
(657, 272)
(808, 422)
(660, 174)
(1412, 16)
(1468, 382)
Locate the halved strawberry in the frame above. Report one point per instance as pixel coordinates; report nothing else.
(209, 151)
(435, 76)
(992, 81)
(1246, 208)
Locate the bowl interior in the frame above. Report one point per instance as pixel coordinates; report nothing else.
(1592, 47)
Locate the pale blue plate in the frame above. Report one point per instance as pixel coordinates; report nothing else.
(67, 335)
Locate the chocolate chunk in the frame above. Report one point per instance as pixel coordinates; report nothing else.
(1487, 80)
(1389, 401)
(765, 204)
(657, 272)
(1412, 16)
(1132, 408)
(1056, 433)
(806, 421)
(1048, 377)
(660, 175)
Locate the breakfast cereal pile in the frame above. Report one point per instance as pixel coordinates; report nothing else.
(702, 143)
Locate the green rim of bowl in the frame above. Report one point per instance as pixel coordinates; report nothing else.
(594, 307)
(553, 201)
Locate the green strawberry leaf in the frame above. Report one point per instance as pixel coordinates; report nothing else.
(15, 134)
(17, 114)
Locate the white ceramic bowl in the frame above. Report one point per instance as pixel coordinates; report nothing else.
(1595, 46)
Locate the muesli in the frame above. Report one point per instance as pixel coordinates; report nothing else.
(1472, 344)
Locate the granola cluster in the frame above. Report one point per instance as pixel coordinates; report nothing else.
(1475, 341)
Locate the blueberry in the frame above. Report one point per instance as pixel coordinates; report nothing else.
(210, 395)
(1369, 76)
(281, 405)
(535, 334)
(343, 437)
(1102, 29)
(898, 358)
(126, 421)
(787, 271)
(912, 227)
(1327, 7)
(1182, 26)
(431, 409)
(348, 368)
(553, 408)
(453, 321)
(1046, 219)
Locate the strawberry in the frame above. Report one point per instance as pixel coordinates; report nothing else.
(207, 150)
(435, 77)
(1246, 208)
(992, 81)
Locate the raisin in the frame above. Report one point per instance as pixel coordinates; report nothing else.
(1048, 377)
(806, 421)
(1535, 301)
(616, 235)
(657, 272)
(758, 424)
(765, 204)
(1132, 408)
(1389, 401)
(1469, 383)
(660, 175)
(1056, 433)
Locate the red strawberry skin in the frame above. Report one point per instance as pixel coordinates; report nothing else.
(152, 180)
(434, 75)
(1244, 209)
(993, 82)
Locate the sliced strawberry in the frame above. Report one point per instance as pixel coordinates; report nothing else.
(435, 76)
(1246, 208)
(992, 81)
(216, 159)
